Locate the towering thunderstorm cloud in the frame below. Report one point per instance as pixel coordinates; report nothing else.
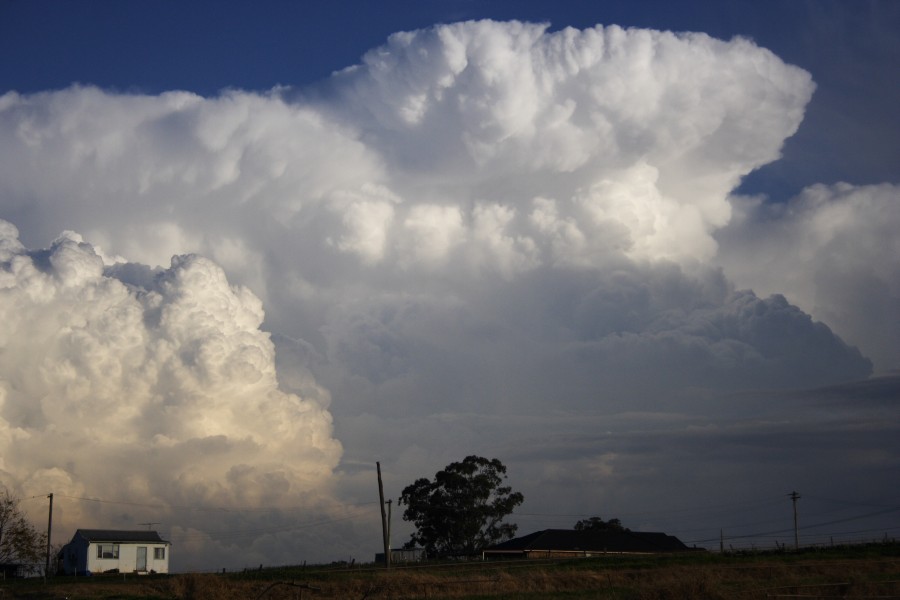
(483, 217)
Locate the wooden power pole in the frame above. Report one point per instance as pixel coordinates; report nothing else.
(384, 525)
(389, 502)
(794, 496)
(49, 526)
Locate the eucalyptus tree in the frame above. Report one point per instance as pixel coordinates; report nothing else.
(462, 510)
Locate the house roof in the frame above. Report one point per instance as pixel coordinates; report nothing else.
(570, 540)
(119, 535)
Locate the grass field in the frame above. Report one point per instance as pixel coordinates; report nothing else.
(870, 571)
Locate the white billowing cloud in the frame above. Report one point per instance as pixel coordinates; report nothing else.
(636, 136)
(151, 177)
(367, 218)
(638, 130)
(147, 386)
(432, 232)
(833, 250)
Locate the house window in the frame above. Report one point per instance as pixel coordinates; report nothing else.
(107, 551)
(159, 554)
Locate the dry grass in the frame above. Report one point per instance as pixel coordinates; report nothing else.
(707, 577)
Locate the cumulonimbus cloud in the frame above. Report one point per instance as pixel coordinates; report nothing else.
(482, 216)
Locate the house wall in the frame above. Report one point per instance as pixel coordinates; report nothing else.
(74, 557)
(127, 561)
(567, 553)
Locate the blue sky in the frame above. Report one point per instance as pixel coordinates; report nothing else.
(253, 248)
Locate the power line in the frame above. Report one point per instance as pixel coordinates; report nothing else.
(238, 533)
(196, 533)
(847, 502)
(205, 508)
(856, 518)
(667, 512)
(806, 528)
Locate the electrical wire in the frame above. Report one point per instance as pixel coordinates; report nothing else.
(195, 533)
(203, 508)
(805, 528)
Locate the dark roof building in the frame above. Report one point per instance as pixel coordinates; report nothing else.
(556, 543)
(119, 535)
(114, 551)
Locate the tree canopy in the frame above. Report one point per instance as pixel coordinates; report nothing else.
(462, 510)
(598, 524)
(20, 542)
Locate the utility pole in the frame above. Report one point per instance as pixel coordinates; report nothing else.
(49, 527)
(389, 502)
(149, 525)
(794, 496)
(384, 525)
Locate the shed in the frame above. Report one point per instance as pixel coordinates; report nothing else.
(402, 555)
(114, 551)
(16, 570)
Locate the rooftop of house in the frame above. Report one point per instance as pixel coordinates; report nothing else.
(591, 541)
(120, 535)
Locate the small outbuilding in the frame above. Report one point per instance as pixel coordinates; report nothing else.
(563, 543)
(16, 570)
(402, 555)
(114, 551)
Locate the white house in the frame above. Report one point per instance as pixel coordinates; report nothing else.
(115, 551)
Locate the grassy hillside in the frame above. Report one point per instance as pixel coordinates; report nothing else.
(852, 572)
